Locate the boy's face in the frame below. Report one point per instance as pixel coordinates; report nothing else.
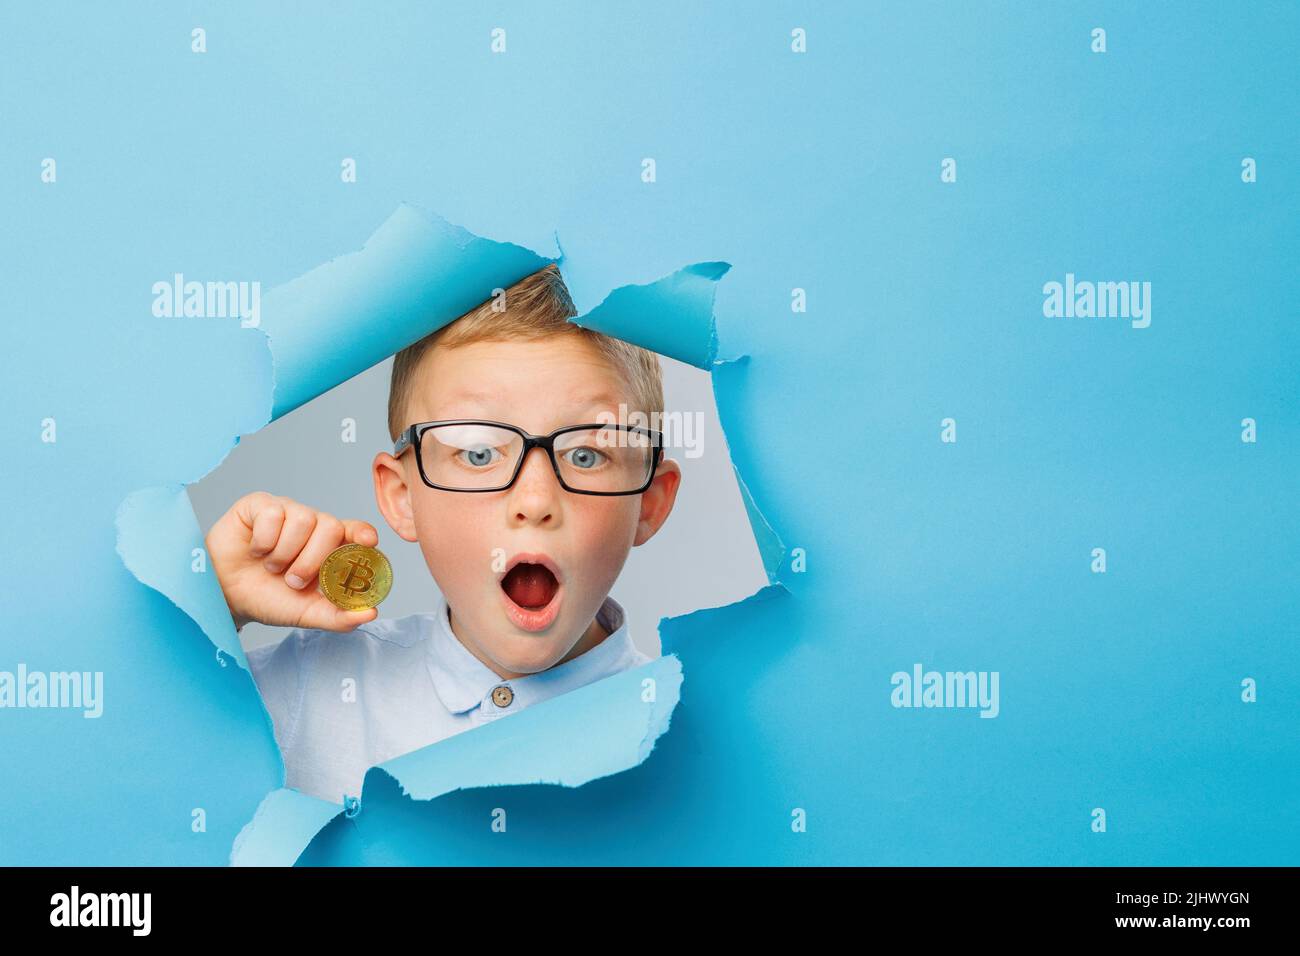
(538, 386)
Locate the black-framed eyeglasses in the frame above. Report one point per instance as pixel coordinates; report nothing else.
(476, 455)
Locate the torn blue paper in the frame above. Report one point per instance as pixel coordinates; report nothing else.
(284, 823)
(672, 316)
(876, 296)
(414, 275)
(728, 378)
(633, 708)
(160, 541)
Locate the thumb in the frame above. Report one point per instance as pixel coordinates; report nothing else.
(327, 616)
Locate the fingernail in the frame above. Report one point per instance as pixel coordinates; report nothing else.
(294, 580)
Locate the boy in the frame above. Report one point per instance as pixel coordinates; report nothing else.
(524, 566)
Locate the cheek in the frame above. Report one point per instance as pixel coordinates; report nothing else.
(452, 537)
(603, 531)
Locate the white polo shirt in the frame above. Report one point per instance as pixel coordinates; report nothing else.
(343, 702)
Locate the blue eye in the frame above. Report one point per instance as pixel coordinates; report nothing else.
(584, 458)
(480, 457)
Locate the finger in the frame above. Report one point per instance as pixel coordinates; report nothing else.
(348, 620)
(328, 617)
(327, 536)
(360, 532)
(265, 518)
(299, 523)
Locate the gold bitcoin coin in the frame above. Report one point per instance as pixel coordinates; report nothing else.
(355, 577)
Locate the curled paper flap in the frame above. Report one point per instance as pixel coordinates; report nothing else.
(672, 316)
(285, 822)
(417, 273)
(729, 379)
(160, 542)
(539, 747)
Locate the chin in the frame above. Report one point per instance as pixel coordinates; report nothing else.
(529, 655)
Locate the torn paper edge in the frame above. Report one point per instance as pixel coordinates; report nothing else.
(672, 315)
(415, 273)
(146, 512)
(293, 817)
(519, 750)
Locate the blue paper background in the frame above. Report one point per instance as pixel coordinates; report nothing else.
(818, 171)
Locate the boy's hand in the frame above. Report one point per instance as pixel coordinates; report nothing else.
(267, 551)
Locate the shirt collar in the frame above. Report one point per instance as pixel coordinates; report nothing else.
(463, 682)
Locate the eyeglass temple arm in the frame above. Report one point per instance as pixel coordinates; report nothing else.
(401, 444)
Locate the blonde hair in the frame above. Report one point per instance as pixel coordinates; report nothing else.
(537, 306)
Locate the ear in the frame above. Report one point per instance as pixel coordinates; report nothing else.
(657, 500)
(393, 493)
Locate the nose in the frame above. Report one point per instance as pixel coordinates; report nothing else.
(534, 498)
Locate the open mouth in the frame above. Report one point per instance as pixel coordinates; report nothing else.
(531, 586)
(531, 592)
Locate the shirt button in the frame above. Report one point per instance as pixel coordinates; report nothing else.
(502, 695)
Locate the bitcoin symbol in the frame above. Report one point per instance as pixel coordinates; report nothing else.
(359, 577)
(355, 577)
